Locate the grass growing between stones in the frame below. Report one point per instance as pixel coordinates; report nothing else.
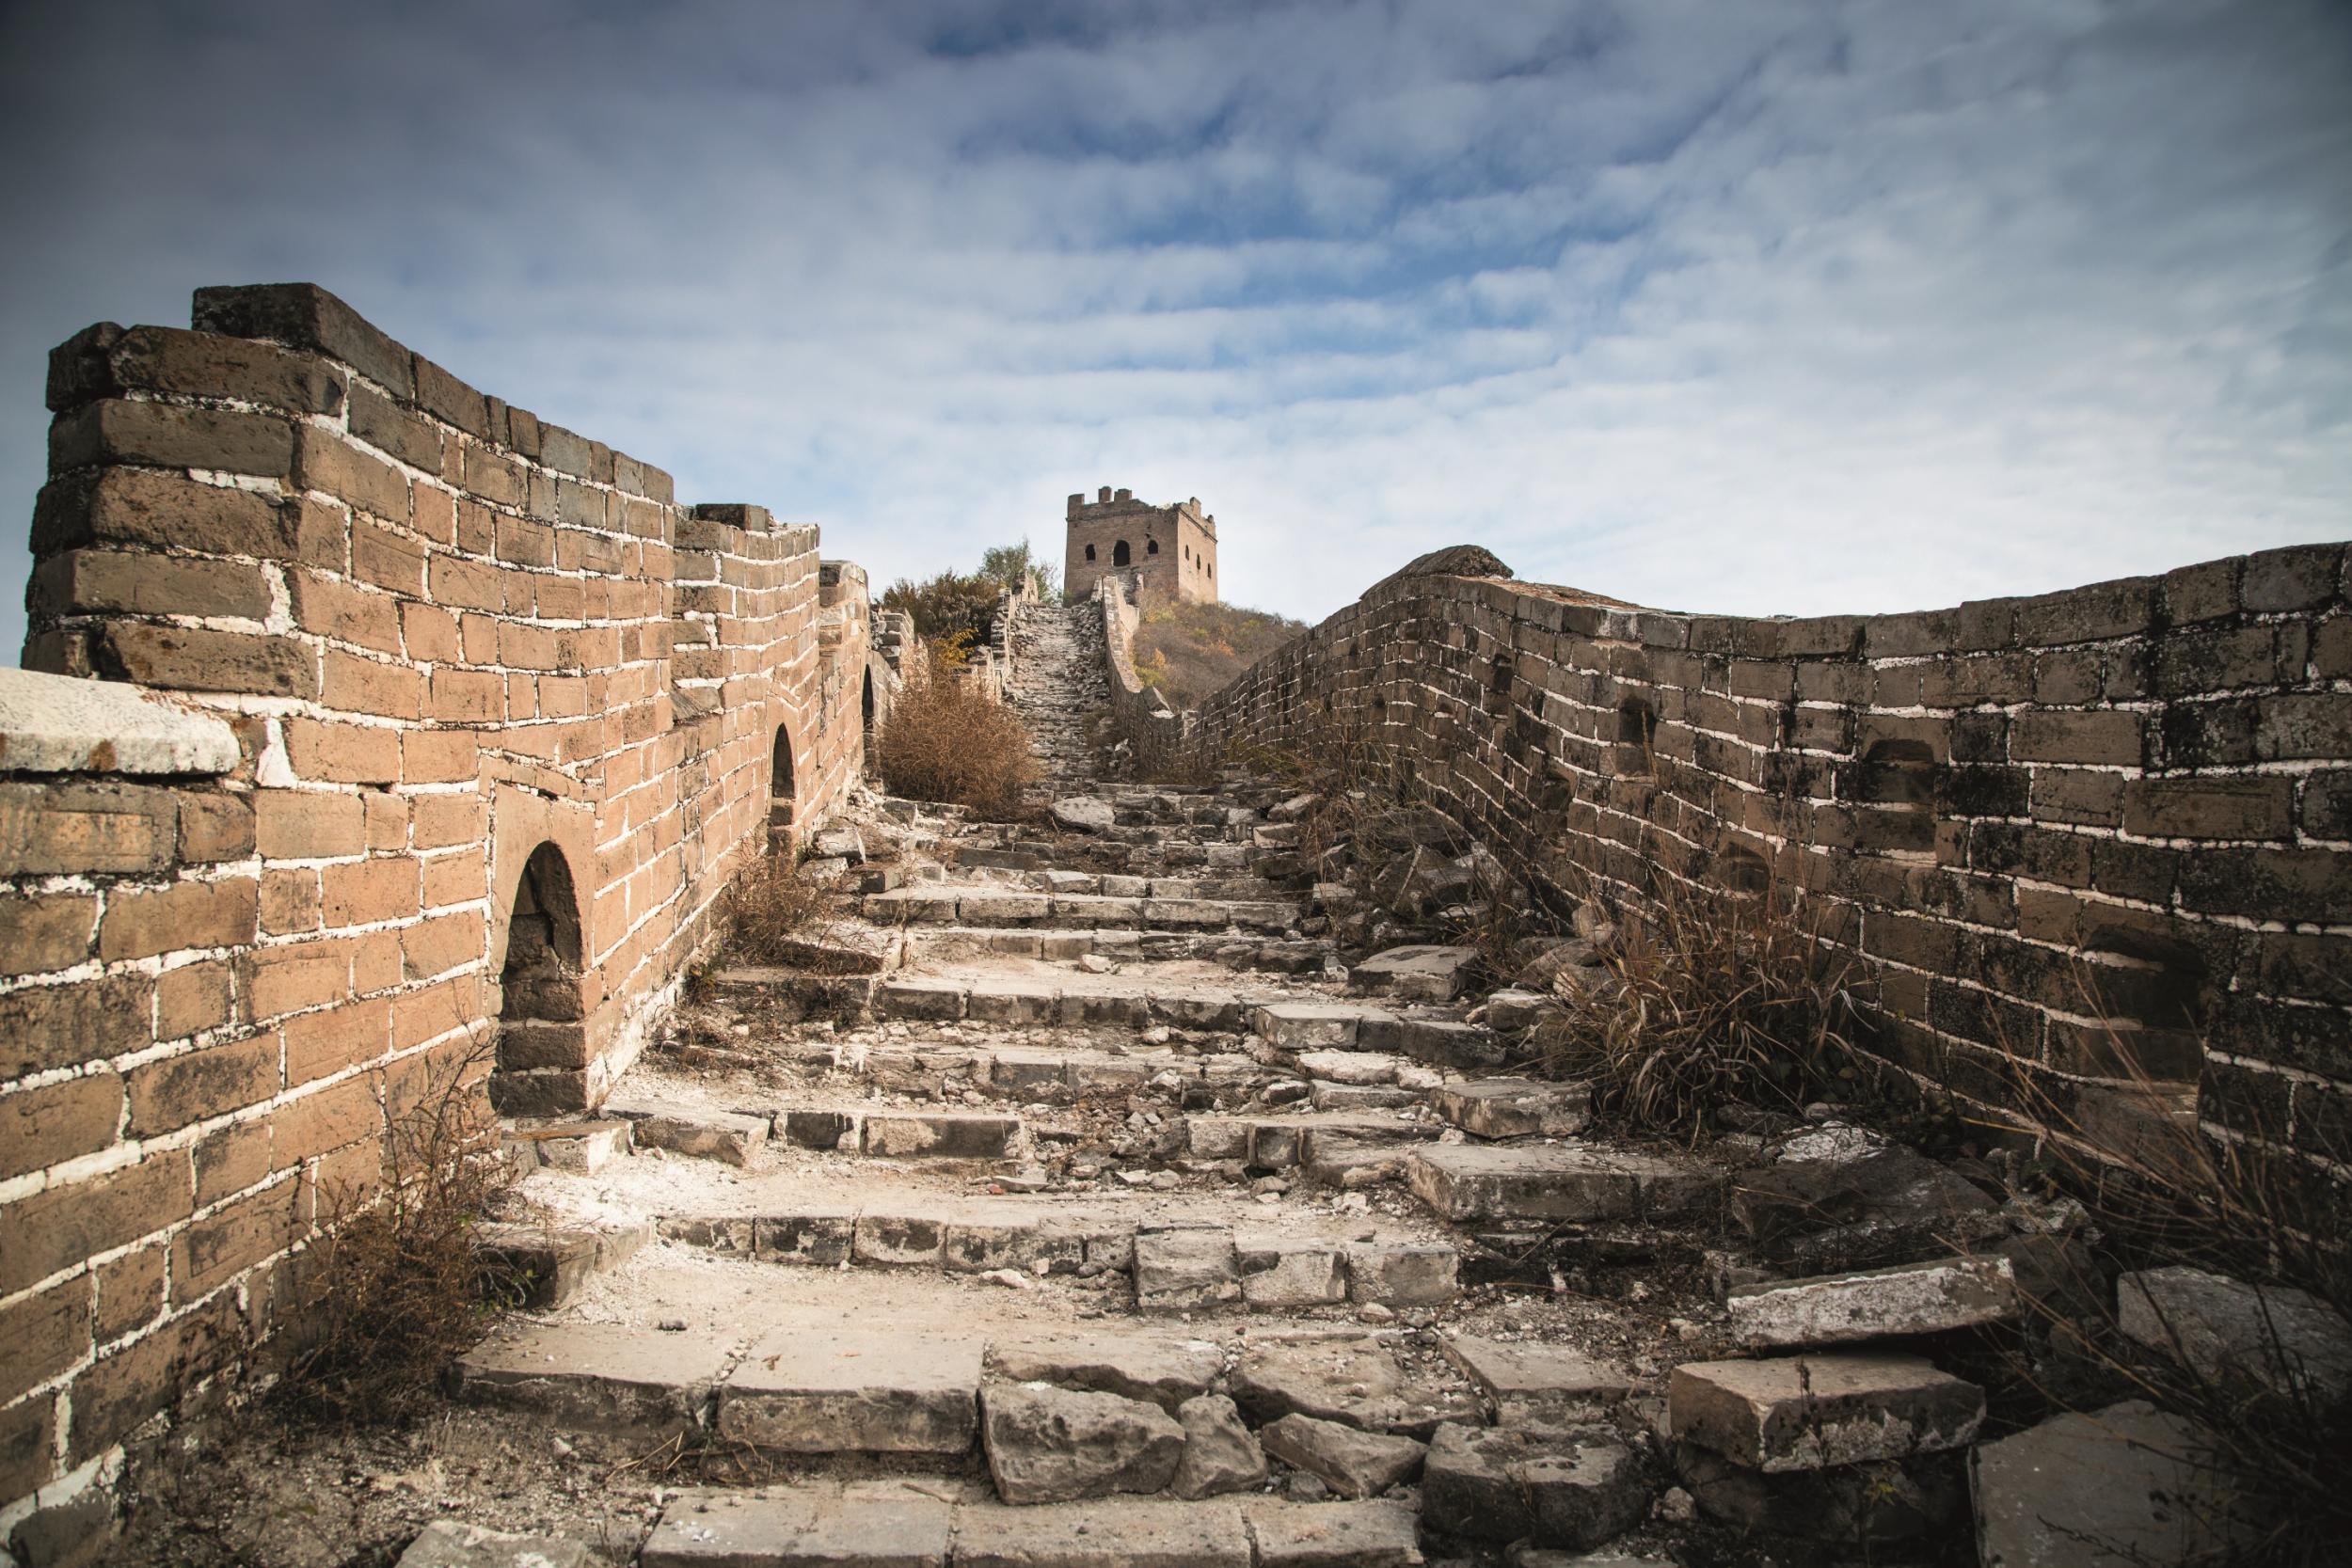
(1704, 998)
(392, 1291)
(770, 907)
(2271, 1422)
(947, 739)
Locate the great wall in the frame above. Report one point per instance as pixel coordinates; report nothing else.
(371, 728)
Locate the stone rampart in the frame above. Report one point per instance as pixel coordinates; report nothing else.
(447, 729)
(1156, 736)
(2130, 801)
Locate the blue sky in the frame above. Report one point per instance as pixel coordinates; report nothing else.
(1772, 306)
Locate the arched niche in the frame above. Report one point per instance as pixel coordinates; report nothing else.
(1121, 554)
(780, 791)
(1894, 798)
(1636, 737)
(541, 1003)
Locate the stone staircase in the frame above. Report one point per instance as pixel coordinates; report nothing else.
(1108, 1220)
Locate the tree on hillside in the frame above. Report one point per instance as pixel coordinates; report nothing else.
(1010, 564)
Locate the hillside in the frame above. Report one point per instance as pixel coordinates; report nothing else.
(1191, 650)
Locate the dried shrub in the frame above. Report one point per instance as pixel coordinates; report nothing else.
(1701, 997)
(771, 906)
(2161, 1189)
(946, 739)
(950, 605)
(392, 1289)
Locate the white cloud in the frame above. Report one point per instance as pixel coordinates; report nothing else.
(1768, 308)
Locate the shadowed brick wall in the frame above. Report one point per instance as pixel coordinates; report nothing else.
(446, 636)
(2139, 790)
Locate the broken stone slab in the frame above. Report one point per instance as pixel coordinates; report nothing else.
(1804, 1411)
(898, 1241)
(1417, 973)
(2128, 1487)
(1049, 1444)
(586, 1147)
(1872, 1304)
(1187, 1268)
(1352, 1379)
(1220, 1453)
(1544, 1181)
(1514, 1011)
(869, 1524)
(1325, 1096)
(1562, 1487)
(1307, 1025)
(1083, 813)
(1835, 1201)
(1352, 1462)
(598, 1375)
(1002, 1002)
(1403, 1273)
(1379, 1533)
(1514, 1107)
(726, 1136)
(1004, 909)
(805, 1391)
(980, 1246)
(2238, 1334)
(1106, 1533)
(912, 1136)
(448, 1544)
(544, 1266)
(1166, 1372)
(1281, 1272)
(1527, 1380)
(1349, 1067)
(930, 1000)
(1437, 1041)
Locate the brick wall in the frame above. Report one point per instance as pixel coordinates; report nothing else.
(450, 642)
(2139, 790)
(1156, 737)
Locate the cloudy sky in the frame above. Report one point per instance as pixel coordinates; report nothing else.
(1775, 306)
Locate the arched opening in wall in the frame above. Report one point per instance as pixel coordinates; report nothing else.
(542, 1043)
(1090, 552)
(1150, 546)
(1121, 554)
(1895, 797)
(780, 795)
(1637, 738)
(1742, 871)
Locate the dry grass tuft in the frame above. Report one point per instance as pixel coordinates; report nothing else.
(947, 740)
(1702, 999)
(393, 1292)
(772, 903)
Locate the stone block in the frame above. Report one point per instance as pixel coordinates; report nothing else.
(1803, 1413)
(1354, 1463)
(1106, 1532)
(1514, 1107)
(2128, 1484)
(447, 1544)
(875, 1524)
(1049, 1444)
(804, 1391)
(1473, 1182)
(1220, 1454)
(1349, 1067)
(597, 1376)
(1351, 1379)
(1167, 1371)
(1306, 1026)
(1374, 1534)
(1416, 974)
(1184, 1270)
(1564, 1487)
(937, 1001)
(1403, 1273)
(1279, 1273)
(927, 1135)
(1523, 1378)
(2235, 1335)
(1912, 1298)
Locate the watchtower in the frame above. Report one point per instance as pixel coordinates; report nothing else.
(1169, 550)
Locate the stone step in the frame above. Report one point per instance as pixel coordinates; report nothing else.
(1040, 1072)
(1276, 1143)
(1552, 1182)
(1809, 1412)
(581, 1145)
(545, 1266)
(944, 944)
(1001, 907)
(1113, 885)
(731, 1137)
(895, 1392)
(1514, 1107)
(1294, 1028)
(1933, 1297)
(1136, 1005)
(1178, 1268)
(900, 1134)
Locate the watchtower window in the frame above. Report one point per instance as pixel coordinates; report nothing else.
(1090, 552)
(1121, 554)
(1150, 546)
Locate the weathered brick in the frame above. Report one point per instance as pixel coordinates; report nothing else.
(192, 999)
(302, 315)
(231, 1159)
(43, 1027)
(2208, 807)
(143, 508)
(223, 1243)
(441, 820)
(2299, 726)
(496, 478)
(290, 901)
(387, 558)
(353, 684)
(140, 925)
(130, 1292)
(50, 828)
(2301, 576)
(437, 945)
(166, 436)
(324, 1042)
(2078, 795)
(45, 930)
(2195, 664)
(46, 1232)
(122, 1391)
(214, 827)
(29, 1441)
(2107, 737)
(309, 823)
(323, 461)
(329, 1118)
(209, 1081)
(186, 659)
(362, 893)
(445, 756)
(106, 361)
(281, 980)
(81, 582)
(2271, 884)
(57, 1121)
(2124, 608)
(2205, 592)
(343, 753)
(2327, 811)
